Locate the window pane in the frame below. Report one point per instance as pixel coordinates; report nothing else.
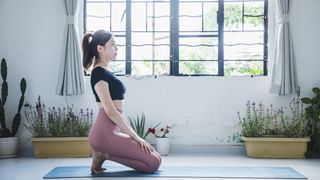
(254, 15)
(161, 68)
(254, 8)
(159, 24)
(118, 17)
(120, 42)
(158, 16)
(253, 23)
(198, 48)
(150, 52)
(94, 24)
(231, 38)
(190, 16)
(98, 16)
(138, 17)
(243, 68)
(101, 9)
(198, 67)
(150, 67)
(150, 46)
(232, 16)
(141, 68)
(147, 16)
(118, 67)
(245, 52)
(210, 16)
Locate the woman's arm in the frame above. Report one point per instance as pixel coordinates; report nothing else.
(126, 120)
(102, 89)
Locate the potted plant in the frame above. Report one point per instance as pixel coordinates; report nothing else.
(270, 133)
(58, 132)
(162, 141)
(8, 141)
(313, 115)
(138, 126)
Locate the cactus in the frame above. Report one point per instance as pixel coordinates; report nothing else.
(4, 131)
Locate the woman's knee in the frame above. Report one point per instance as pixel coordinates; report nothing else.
(154, 163)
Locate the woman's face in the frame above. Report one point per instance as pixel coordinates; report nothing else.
(110, 49)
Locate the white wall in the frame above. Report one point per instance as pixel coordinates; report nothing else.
(203, 109)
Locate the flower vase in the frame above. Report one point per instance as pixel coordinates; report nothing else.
(163, 145)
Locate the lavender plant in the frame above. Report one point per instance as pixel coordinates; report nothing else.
(57, 122)
(261, 121)
(296, 124)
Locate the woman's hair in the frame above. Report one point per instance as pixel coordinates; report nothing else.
(89, 46)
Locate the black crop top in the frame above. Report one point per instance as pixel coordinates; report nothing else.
(116, 87)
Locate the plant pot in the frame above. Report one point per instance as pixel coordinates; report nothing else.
(273, 147)
(163, 146)
(61, 147)
(9, 147)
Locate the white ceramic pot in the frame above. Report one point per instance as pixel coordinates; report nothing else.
(163, 146)
(9, 147)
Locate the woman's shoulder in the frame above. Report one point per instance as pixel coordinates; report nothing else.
(98, 69)
(99, 73)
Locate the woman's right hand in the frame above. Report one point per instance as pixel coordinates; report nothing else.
(145, 146)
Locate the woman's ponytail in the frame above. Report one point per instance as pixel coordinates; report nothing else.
(89, 46)
(87, 55)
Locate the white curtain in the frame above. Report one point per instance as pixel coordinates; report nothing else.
(71, 80)
(284, 75)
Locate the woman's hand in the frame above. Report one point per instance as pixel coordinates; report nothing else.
(145, 146)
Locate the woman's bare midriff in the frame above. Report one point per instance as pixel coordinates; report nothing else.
(118, 104)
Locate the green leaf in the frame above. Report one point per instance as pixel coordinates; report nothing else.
(306, 100)
(316, 90)
(4, 92)
(4, 69)
(23, 85)
(15, 124)
(314, 100)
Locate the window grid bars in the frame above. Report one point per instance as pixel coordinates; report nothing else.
(174, 52)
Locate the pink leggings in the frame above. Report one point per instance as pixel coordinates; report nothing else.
(105, 137)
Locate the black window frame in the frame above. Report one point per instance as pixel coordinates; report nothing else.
(174, 37)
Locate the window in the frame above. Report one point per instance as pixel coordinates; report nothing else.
(185, 37)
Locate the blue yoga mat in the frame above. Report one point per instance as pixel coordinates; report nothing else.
(181, 172)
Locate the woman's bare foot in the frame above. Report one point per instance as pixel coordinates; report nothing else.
(97, 160)
(102, 169)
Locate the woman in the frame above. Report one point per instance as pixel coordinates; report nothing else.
(105, 138)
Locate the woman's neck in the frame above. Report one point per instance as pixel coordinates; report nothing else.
(101, 64)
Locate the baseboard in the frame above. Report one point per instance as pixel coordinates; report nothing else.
(204, 149)
(27, 151)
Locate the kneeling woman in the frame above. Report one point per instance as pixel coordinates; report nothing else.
(105, 138)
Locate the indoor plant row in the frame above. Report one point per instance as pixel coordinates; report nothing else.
(276, 132)
(58, 132)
